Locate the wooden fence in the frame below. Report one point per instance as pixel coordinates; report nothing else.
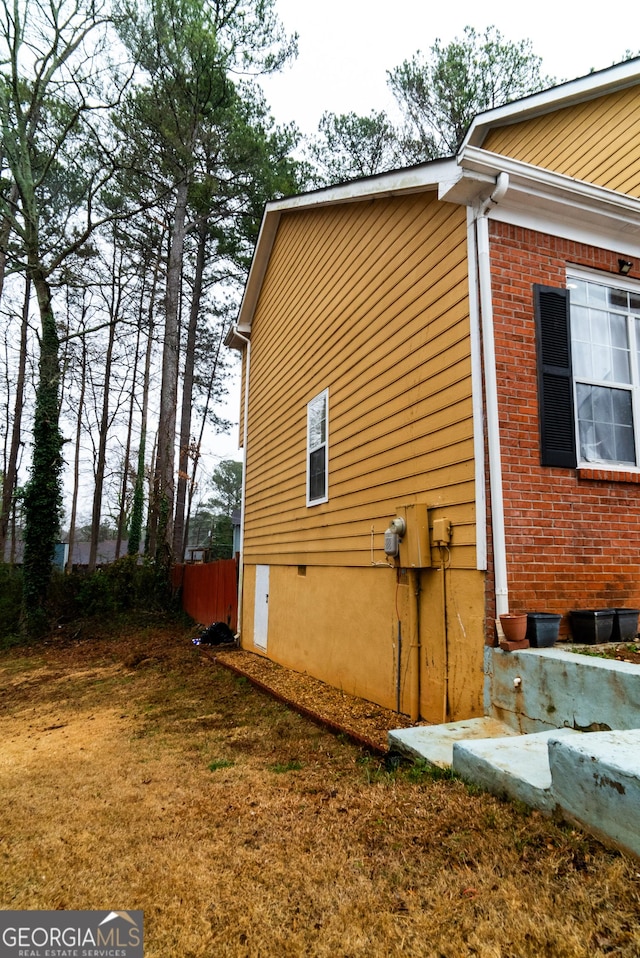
(209, 591)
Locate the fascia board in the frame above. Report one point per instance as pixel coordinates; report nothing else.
(257, 270)
(414, 179)
(552, 202)
(411, 179)
(610, 80)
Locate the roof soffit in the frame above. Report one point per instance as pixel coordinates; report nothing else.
(546, 201)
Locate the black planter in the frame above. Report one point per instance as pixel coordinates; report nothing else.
(592, 626)
(625, 625)
(542, 629)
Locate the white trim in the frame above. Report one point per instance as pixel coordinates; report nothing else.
(610, 80)
(548, 202)
(243, 498)
(538, 198)
(590, 275)
(324, 396)
(476, 393)
(493, 419)
(410, 179)
(414, 179)
(609, 281)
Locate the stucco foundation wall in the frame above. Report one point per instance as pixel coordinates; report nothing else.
(572, 537)
(341, 626)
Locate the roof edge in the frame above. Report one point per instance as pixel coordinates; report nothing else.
(412, 179)
(609, 80)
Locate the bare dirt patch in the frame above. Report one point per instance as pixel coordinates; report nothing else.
(137, 773)
(624, 652)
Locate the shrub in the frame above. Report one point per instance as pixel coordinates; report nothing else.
(10, 602)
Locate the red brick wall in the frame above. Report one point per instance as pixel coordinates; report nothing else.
(572, 542)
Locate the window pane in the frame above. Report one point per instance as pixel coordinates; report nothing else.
(619, 297)
(621, 372)
(580, 325)
(602, 405)
(317, 475)
(618, 326)
(599, 328)
(578, 291)
(634, 302)
(597, 295)
(625, 446)
(582, 365)
(585, 405)
(317, 422)
(605, 421)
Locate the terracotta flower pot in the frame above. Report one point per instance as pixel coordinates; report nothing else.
(514, 627)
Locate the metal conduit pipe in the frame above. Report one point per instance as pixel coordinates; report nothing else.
(445, 637)
(414, 647)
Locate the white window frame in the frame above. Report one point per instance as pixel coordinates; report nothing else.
(316, 444)
(611, 281)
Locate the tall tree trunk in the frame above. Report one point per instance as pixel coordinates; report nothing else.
(198, 446)
(10, 477)
(162, 522)
(42, 494)
(187, 395)
(102, 453)
(137, 509)
(76, 464)
(5, 233)
(127, 451)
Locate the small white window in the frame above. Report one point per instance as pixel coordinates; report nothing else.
(318, 449)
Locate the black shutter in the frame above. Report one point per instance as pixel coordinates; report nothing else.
(555, 382)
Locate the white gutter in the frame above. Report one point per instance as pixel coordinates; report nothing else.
(491, 396)
(245, 433)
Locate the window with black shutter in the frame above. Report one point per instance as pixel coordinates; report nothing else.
(588, 338)
(555, 380)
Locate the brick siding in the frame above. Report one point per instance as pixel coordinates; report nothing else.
(572, 536)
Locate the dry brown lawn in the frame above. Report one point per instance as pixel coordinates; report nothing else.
(136, 773)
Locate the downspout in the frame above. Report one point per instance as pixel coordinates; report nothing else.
(491, 394)
(245, 424)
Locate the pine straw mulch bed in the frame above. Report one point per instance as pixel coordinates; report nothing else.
(365, 723)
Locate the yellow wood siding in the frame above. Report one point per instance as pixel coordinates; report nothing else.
(369, 300)
(243, 374)
(597, 141)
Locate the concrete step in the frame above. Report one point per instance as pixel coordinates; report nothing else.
(434, 743)
(596, 780)
(592, 778)
(516, 766)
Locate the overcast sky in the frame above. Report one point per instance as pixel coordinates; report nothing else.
(346, 46)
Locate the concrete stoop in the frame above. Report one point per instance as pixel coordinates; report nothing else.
(434, 743)
(596, 780)
(517, 767)
(592, 778)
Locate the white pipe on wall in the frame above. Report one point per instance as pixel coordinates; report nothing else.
(245, 425)
(491, 395)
